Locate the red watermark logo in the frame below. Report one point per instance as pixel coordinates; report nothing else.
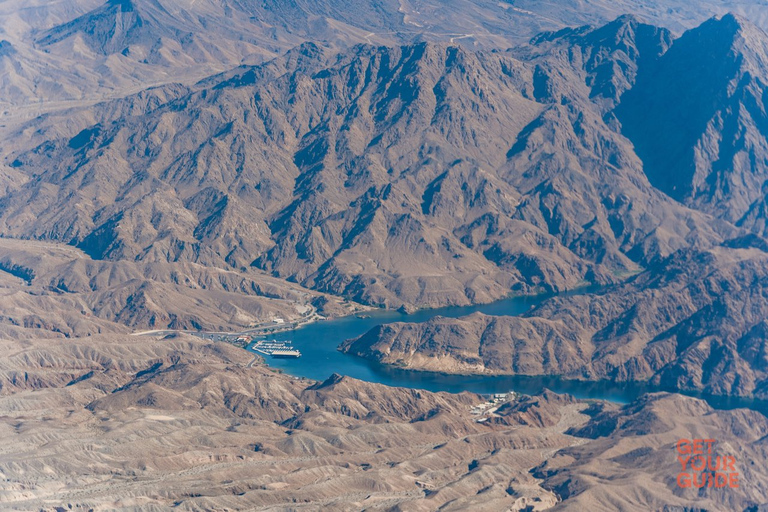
(700, 467)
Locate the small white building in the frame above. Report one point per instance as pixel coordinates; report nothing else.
(278, 321)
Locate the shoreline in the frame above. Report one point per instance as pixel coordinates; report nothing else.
(561, 384)
(403, 309)
(717, 402)
(575, 386)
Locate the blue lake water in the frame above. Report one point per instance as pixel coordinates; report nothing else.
(318, 344)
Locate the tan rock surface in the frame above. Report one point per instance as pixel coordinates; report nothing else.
(120, 423)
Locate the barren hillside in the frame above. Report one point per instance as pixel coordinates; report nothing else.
(122, 423)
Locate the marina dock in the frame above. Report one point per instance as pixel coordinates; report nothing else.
(274, 348)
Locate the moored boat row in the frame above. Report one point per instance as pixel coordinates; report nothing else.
(276, 349)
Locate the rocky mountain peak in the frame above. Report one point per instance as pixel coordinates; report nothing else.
(622, 27)
(750, 43)
(608, 56)
(628, 30)
(108, 29)
(122, 5)
(730, 25)
(698, 120)
(731, 36)
(331, 381)
(6, 48)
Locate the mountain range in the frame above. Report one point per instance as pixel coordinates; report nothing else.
(692, 319)
(80, 51)
(218, 165)
(490, 171)
(430, 174)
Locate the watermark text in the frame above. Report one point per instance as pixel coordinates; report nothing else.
(701, 467)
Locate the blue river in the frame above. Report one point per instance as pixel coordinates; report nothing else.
(318, 344)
